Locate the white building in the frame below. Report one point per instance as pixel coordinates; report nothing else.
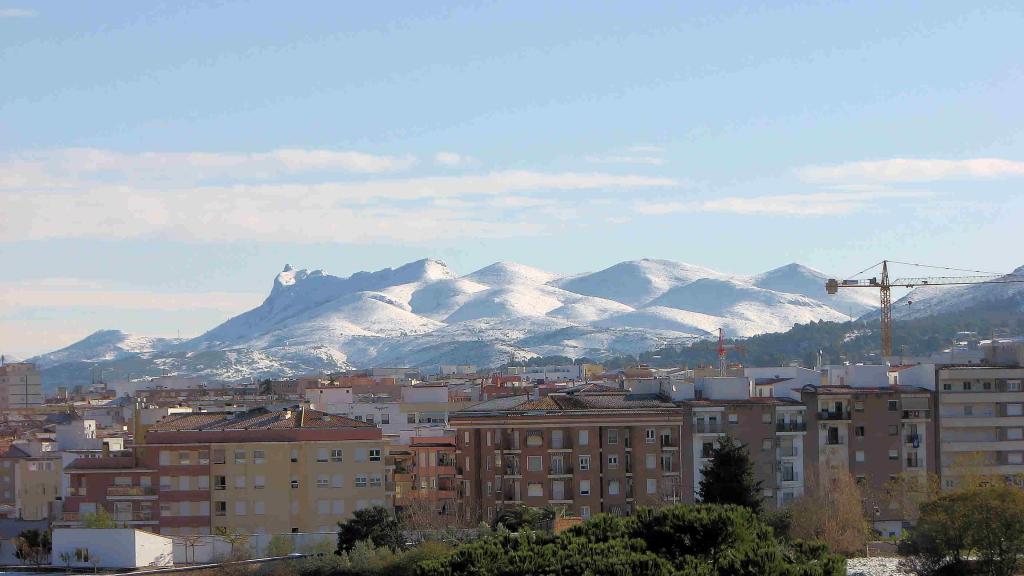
(112, 548)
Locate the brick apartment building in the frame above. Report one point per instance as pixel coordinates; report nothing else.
(293, 470)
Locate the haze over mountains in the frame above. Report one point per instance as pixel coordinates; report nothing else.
(425, 314)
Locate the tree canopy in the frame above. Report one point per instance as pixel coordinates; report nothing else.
(377, 525)
(728, 477)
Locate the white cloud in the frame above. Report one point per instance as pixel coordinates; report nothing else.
(815, 204)
(452, 159)
(53, 293)
(17, 13)
(911, 170)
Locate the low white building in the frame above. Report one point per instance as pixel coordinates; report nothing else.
(111, 548)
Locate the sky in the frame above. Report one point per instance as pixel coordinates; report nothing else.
(161, 162)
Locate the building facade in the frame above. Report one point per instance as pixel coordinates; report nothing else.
(21, 386)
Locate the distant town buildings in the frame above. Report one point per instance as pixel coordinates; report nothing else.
(21, 386)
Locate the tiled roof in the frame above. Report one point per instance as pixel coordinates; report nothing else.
(863, 389)
(256, 419)
(15, 452)
(608, 400)
(739, 401)
(102, 463)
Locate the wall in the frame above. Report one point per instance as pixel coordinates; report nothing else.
(115, 547)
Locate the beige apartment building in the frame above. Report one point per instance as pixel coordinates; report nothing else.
(21, 386)
(980, 424)
(29, 484)
(261, 471)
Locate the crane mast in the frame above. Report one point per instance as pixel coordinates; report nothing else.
(884, 286)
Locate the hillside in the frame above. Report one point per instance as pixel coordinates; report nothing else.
(424, 314)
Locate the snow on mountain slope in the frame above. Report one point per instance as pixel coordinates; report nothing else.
(104, 345)
(636, 282)
(505, 273)
(931, 300)
(799, 279)
(771, 311)
(424, 314)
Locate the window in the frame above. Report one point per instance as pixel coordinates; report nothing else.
(894, 405)
(734, 419)
(259, 482)
(858, 431)
(465, 438)
(652, 486)
(535, 489)
(370, 419)
(295, 481)
(410, 418)
(766, 418)
(894, 430)
(584, 462)
(360, 454)
(613, 436)
(858, 406)
(1014, 410)
(947, 387)
(894, 454)
(203, 482)
(322, 481)
(986, 385)
(259, 456)
(650, 461)
(533, 463)
(337, 506)
(584, 487)
(220, 508)
(204, 456)
(259, 508)
(374, 454)
(184, 458)
(585, 512)
(968, 410)
(239, 456)
(584, 437)
(385, 418)
(666, 463)
(860, 455)
(165, 482)
(295, 455)
(239, 481)
(337, 481)
(767, 444)
(184, 508)
(1014, 434)
(1015, 458)
(613, 461)
(323, 507)
(165, 458)
(336, 455)
(360, 480)
(1013, 385)
(649, 436)
(375, 481)
(534, 438)
(321, 454)
(613, 487)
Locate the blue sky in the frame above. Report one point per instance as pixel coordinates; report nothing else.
(159, 163)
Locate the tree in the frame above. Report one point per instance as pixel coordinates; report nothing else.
(831, 511)
(376, 524)
(728, 478)
(906, 492)
(280, 545)
(524, 518)
(98, 519)
(33, 546)
(984, 524)
(235, 538)
(190, 541)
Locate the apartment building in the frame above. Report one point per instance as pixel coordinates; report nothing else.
(292, 470)
(424, 475)
(21, 386)
(594, 449)
(980, 423)
(30, 483)
(876, 433)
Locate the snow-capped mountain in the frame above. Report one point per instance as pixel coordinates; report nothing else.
(424, 314)
(799, 279)
(932, 300)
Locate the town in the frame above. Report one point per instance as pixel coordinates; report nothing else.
(182, 459)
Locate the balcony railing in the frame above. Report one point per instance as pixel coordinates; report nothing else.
(839, 441)
(913, 463)
(668, 442)
(834, 415)
(130, 491)
(564, 469)
(77, 491)
(917, 414)
(705, 427)
(787, 451)
(790, 426)
(914, 439)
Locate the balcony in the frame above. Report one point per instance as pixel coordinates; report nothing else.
(668, 442)
(914, 439)
(837, 441)
(790, 426)
(508, 445)
(788, 452)
(913, 463)
(128, 492)
(704, 427)
(917, 414)
(834, 415)
(77, 491)
(446, 470)
(513, 471)
(564, 470)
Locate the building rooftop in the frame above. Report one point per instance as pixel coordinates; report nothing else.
(846, 390)
(256, 419)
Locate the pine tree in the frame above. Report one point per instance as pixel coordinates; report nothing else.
(728, 478)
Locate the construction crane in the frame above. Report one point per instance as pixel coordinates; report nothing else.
(885, 285)
(723, 348)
